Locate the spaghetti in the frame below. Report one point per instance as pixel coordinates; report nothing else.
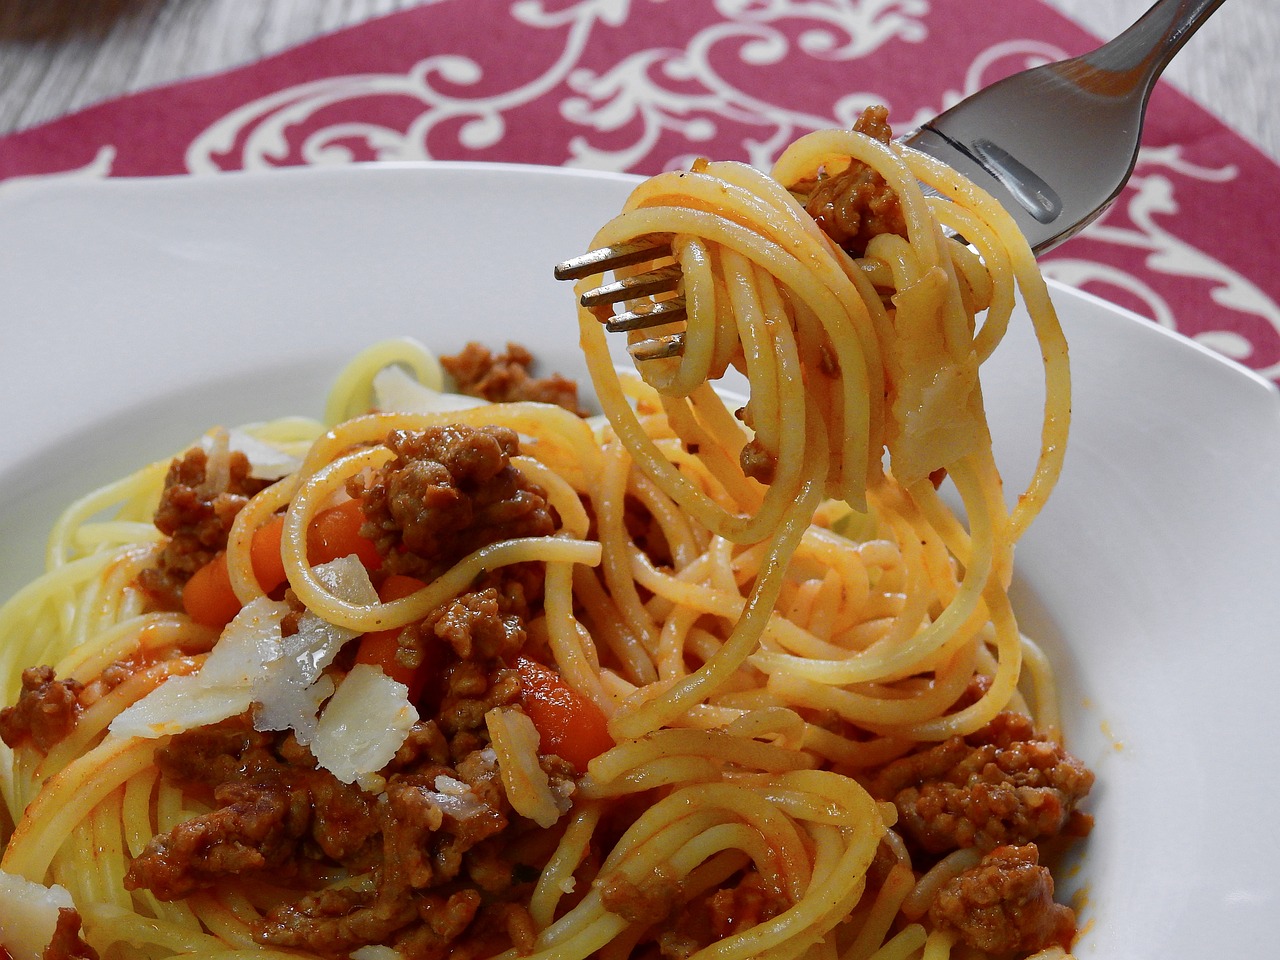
(462, 678)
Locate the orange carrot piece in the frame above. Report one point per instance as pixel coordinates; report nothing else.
(335, 533)
(379, 647)
(397, 586)
(268, 565)
(208, 597)
(569, 725)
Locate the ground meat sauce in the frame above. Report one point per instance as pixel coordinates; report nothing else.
(752, 901)
(681, 928)
(280, 818)
(1005, 904)
(67, 943)
(855, 205)
(1002, 784)
(487, 622)
(436, 855)
(506, 378)
(646, 903)
(440, 864)
(1002, 790)
(449, 491)
(46, 710)
(196, 512)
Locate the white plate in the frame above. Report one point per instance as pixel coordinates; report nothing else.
(138, 313)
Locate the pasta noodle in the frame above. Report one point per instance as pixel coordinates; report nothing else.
(700, 646)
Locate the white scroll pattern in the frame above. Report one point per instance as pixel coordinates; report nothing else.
(622, 116)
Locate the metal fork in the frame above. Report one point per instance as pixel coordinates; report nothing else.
(1054, 145)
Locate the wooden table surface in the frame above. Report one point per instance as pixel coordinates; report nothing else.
(59, 55)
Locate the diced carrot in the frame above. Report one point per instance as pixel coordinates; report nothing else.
(208, 597)
(398, 586)
(268, 565)
(569, 725)
(335, 533)
(379, 647)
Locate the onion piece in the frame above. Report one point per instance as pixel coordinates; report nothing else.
(515, 741)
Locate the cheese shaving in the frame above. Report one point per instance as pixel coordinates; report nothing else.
(363, 726)
(29, 915)
(266, 461)
(253, 663)
(224, 686)
(290, 696)
(396, 391)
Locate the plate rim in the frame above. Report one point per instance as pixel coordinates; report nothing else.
(30, 188)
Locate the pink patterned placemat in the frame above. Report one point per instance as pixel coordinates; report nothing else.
(647, 85)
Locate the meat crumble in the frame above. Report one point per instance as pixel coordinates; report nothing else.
(46, 710)
(434, 859)
(449, 491)
(856, 205)
(1002, 790)
(67, 944)
(507, 377)
(681, 927)
(1003, 784)
(196, 510)
(1004, 904)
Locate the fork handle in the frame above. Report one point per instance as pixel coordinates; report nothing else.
(1139, 55)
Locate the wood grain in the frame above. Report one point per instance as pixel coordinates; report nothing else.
(57, 56)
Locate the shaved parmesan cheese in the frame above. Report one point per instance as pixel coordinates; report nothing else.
(347, 579)
(253, 663)
(247, 645)
(515, 741)
(363, 725)
(452, 785)
(395, 391)
(290, 703)
(180, 703)
(291, 693)
(223, 687)
(29, 915)
(266, 461)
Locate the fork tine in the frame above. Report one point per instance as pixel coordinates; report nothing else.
(661, 280)
(666, 311)
(618, 255)
(658, 348)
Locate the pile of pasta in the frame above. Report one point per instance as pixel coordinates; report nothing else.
(791, 638)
